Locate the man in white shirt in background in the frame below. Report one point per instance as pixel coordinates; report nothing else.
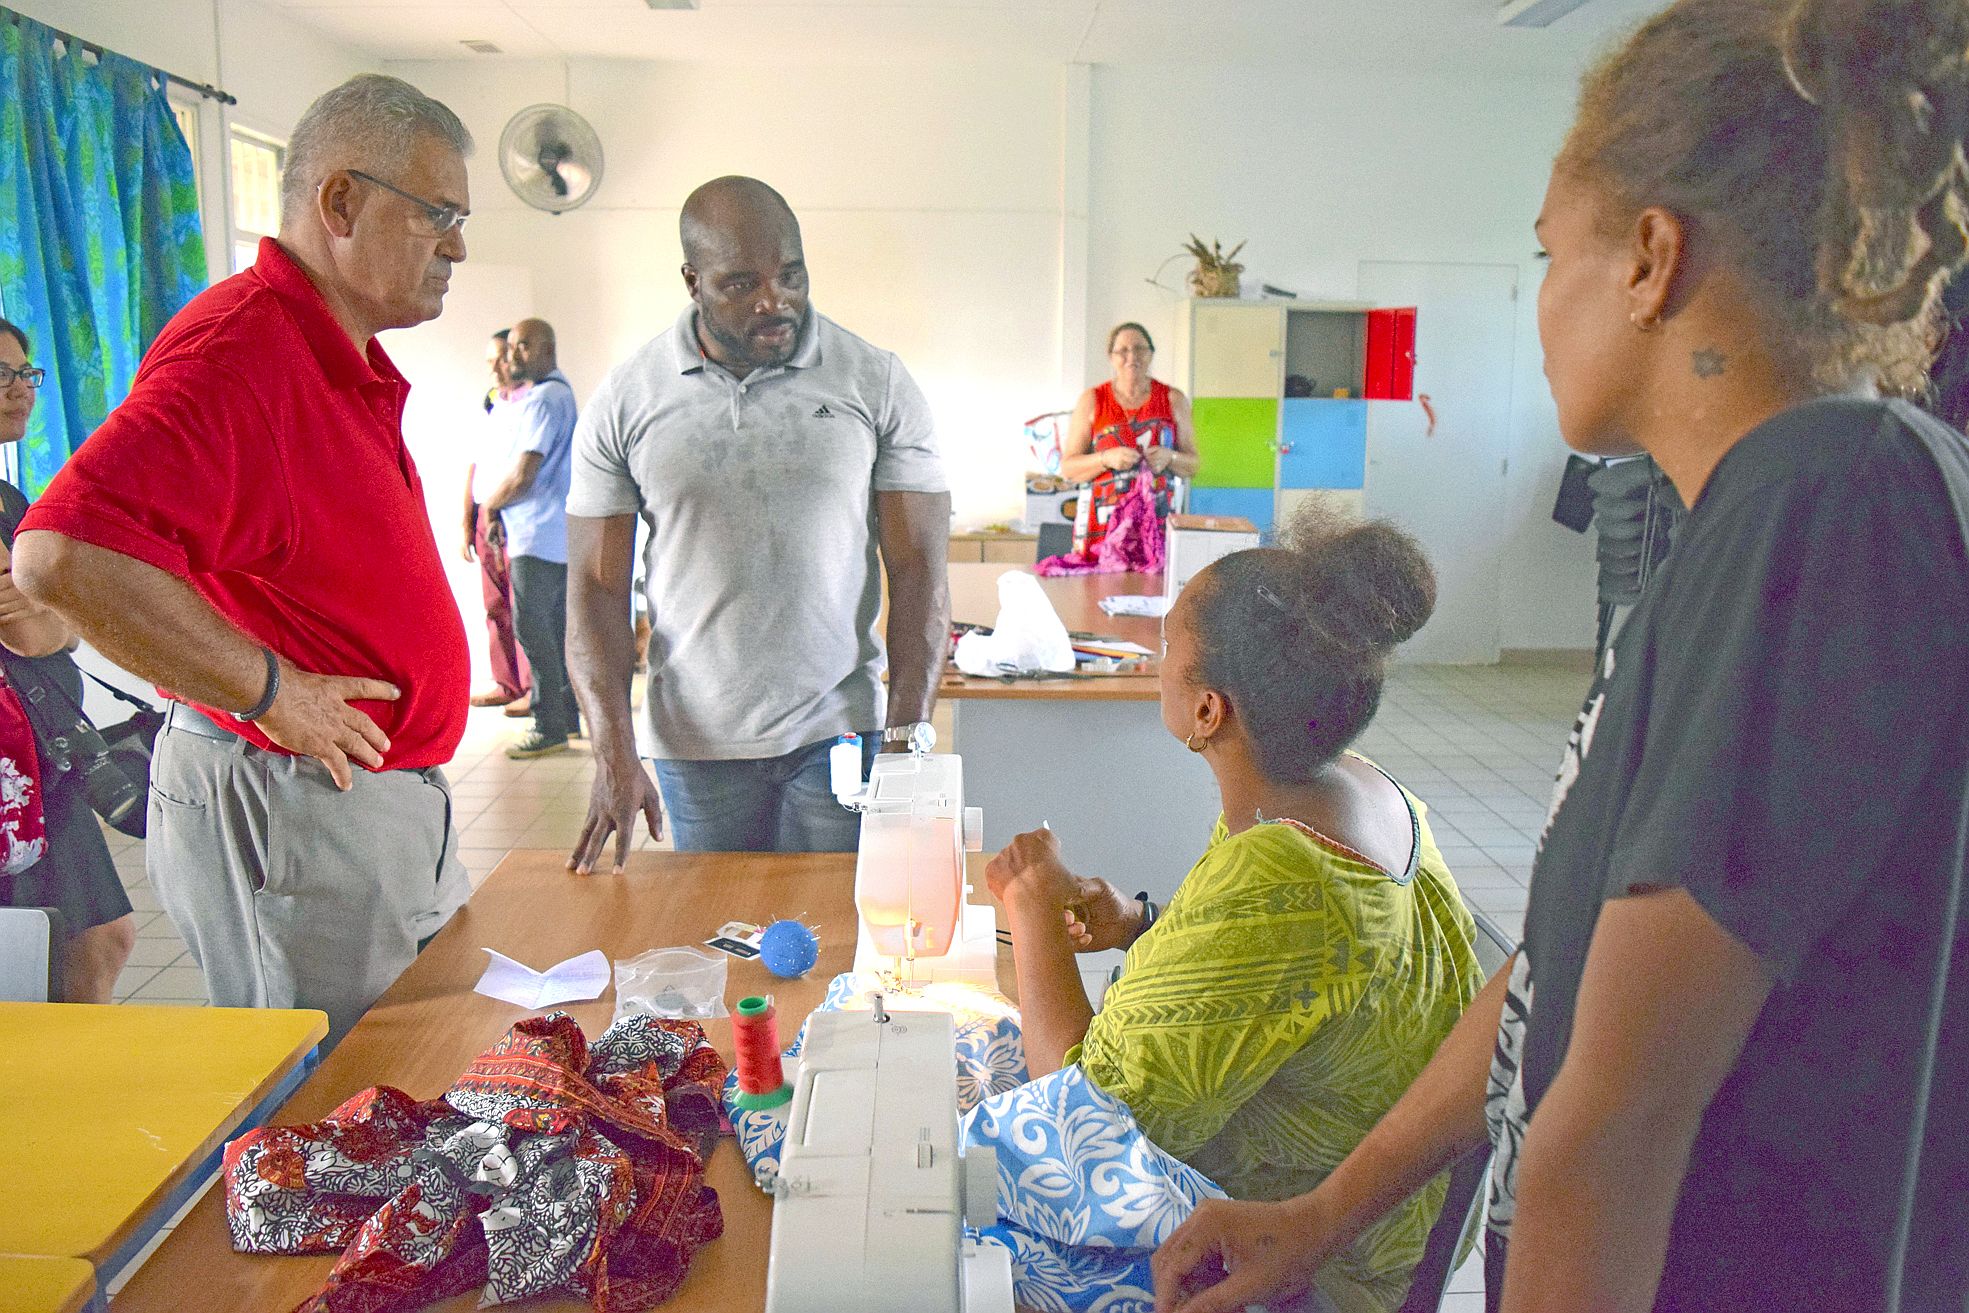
(527, 514)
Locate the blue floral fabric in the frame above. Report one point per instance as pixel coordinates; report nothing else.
(1084, 1197)
(100, 241)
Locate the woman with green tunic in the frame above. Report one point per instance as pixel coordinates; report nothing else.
(1318, 951)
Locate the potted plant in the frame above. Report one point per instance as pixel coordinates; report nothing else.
(1216, 272)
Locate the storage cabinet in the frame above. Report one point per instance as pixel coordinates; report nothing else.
(1235, 438)
(993, 548)
(1280, 391)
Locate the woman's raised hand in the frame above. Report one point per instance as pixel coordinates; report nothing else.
(1029, 868)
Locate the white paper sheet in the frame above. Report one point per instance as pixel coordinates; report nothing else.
(1148, 604)
(575, 980)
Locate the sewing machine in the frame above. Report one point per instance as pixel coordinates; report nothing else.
(917, 927)
(872, 1196)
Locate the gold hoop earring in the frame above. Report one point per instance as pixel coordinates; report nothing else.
(1189, 741)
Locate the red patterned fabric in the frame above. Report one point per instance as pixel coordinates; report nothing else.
(549, 1168)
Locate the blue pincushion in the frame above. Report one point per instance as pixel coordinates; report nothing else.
(788, 949)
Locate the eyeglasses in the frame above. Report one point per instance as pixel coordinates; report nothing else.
(30, 376)
(443, 218)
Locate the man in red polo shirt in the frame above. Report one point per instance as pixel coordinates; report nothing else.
(247, 530)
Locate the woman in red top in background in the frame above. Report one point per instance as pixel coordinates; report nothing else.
(1117, 426)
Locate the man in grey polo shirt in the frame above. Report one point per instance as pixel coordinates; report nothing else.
(772, 453)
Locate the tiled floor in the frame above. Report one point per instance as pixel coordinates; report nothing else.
(1478, 744)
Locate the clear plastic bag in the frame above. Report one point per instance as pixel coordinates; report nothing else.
(671, 982)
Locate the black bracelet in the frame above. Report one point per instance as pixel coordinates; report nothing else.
(1149, 913)
(265, 704)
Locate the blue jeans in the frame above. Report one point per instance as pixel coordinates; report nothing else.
(762, 805)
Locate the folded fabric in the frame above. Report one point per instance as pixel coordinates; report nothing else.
(549, 1168)
(1084, 1196)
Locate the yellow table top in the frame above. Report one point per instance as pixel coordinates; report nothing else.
(108, 1108)
(44, 1285)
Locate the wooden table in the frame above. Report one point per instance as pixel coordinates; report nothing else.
(45, 1285)
(113, 1113)
(1089, 756)
(430, 1025)
(1077, 599)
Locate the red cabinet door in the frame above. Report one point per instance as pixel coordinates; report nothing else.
(1391, 354)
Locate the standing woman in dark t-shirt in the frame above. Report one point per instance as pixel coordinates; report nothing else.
(77, 878)
(1729, 1070)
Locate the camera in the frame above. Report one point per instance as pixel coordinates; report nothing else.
(115, 779)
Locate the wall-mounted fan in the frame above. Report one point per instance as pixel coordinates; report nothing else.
(551, 158)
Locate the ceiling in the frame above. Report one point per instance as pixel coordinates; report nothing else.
(1419, 35)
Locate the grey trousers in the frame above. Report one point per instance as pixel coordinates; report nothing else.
(290, 893)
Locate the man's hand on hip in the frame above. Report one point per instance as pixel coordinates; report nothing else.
(312, 718)
(622, 791)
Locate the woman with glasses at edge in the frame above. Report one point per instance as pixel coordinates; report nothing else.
(77, 878)
(1129, 421)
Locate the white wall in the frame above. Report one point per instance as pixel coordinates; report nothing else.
(931, 208)
(1319, 173)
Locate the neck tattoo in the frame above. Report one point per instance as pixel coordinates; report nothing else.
(1708, 363)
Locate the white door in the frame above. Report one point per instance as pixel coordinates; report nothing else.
(1447, 487)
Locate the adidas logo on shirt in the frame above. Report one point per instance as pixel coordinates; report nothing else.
(823, 413)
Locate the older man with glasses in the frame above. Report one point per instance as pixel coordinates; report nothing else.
(248, 531)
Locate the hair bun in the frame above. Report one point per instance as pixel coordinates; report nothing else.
(1369, 585)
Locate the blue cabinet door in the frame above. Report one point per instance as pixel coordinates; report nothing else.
(1322, 444)
(1254, 504)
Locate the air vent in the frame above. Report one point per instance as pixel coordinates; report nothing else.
(671, 4)
(478, 47)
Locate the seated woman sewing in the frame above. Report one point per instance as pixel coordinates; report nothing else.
(1319, 951)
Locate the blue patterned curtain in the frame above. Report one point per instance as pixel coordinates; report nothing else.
(99, 233)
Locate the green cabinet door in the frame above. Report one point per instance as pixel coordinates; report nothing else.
(1235, 436)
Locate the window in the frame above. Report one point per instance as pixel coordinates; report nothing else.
(187, 116)
(256, 164)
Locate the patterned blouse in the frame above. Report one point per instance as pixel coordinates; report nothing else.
(1287, 996)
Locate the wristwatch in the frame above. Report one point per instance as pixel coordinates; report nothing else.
(919, 735)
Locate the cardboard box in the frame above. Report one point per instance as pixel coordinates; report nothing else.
(1049, 500)
(1197, 540)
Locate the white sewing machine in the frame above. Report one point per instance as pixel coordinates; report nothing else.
(872, 1196)
(917, 926)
